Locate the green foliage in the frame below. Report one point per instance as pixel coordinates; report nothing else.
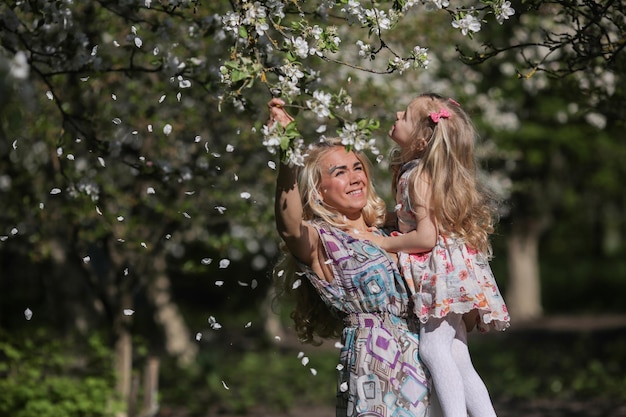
(235, 381)
(270, 379)
(40, 376)
(552, 364)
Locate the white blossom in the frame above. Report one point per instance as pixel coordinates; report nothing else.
(469, 23)
(504, 11)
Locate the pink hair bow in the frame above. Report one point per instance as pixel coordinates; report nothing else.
(443, 114)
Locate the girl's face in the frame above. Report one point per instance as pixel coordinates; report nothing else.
(402, 130)
(343, 184)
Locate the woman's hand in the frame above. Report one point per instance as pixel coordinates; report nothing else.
(278, 113)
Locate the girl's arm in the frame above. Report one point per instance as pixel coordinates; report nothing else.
(424, 237)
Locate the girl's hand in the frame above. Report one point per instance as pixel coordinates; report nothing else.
(278, 113)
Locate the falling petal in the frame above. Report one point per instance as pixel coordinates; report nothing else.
(86, 259)
(271, 164)
(98, 210)
(242, 284)
(206, 261)
(120, 218)
(343, 387)
(150, 128)
(150, 190)
(224, 263)
(162, 98)
(277, 338)
(230, 148)
(138, 42)
(167, 129)
(15, 144)
(219, 283)
(245, 195)
(300, 355)
(296, 283)
(224, 384)
(280, 273)
(235, 177)
(190, 192)
(59, 151)
(305, 361)
(28, 314)
(143, 244)
(221, 209)
(128, 312)
(339, 345)
(339, 367)
(49, 95)
(254, 284)
(314, 371)
(216, 326)
(113, 96)
(186, 215)
(125, 271)
(248, 324)
(198, 336)
(101, 161)
(55, 191)
(178, 96)
(70, 156)
(117, 121)
(14, 231)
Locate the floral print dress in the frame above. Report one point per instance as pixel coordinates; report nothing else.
(380, 373)
(452, 277)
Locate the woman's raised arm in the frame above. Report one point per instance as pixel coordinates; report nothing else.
(300, 238)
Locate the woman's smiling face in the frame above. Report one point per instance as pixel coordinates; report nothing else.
(343, 185)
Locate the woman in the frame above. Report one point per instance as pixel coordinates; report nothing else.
(324, 215)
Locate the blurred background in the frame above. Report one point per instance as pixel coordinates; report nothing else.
(136, 218)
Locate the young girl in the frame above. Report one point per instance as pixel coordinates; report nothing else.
(445, 218)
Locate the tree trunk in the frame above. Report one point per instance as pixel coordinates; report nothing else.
(124, 355)
(178, 340)
(523, 295)
(150, 404)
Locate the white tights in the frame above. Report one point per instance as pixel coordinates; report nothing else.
(459, 388)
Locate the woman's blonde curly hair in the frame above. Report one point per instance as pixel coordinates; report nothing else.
(311, 316)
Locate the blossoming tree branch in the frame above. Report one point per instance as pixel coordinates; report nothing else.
(275, 42)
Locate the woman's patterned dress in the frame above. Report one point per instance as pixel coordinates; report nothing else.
(380, 373)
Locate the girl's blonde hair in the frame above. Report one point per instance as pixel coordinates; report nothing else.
(311, 316)
(462, 205)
